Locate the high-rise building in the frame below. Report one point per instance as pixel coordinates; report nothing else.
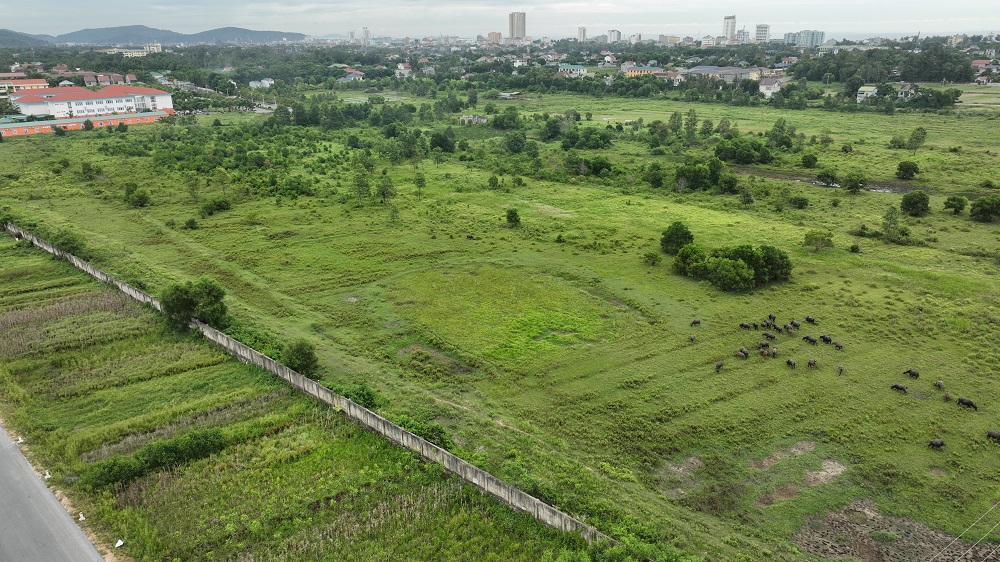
(516, 25)
(494, 37)
(581, 34)
(763, 34)
(728, 26)
(742, 37)
(614, 36)
(806, 38)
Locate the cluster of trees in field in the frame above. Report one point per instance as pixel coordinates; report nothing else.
(935, 62)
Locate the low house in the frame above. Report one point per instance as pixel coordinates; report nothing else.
(983, 79)
(641, 70)
(473, 119)
(865, 92)
(769, 86)
(572, 70)
(403, 70)
(907, 91)
(981, 63)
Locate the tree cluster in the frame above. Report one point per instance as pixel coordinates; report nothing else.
(735, 268)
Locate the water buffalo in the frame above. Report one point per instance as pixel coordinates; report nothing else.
(745, 326)
(795, 323)
(744, 351)
(765, 323)
(967, 403)
(947, 397)
(763, 345)
(838, 345)
(936, 444)
(811, 364)
(691, 338)
(695, 322)
(790, 363)
(994, 435)
(741, 355)
(778, 328)
(718, 366)
(772, 317)
(913, 373)
(899, 387)
(769, 335)
(939, 385)
(826, 339)
(810, 319)
(809, 339)
(774, 352)
(756, 326)
(841, 369)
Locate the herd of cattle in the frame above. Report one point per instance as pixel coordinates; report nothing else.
(767, 350)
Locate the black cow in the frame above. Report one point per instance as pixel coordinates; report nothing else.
(811, 364)
(899, 387)
(810, 319)
(772, 317)
(841, 369)
(745, 326)
(756, 326)
(826, 339)
(691, 338)
(967, 403)
(913, 373)
(695, 322)
(809, 339)
(838, 345)
(790, 363)
(741, 355)
(936, 444)
(769, 335)
(774, 352)
(763, 345)
(795, 323)
(718, 366)
(994, 435)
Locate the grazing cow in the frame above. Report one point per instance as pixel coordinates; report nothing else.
(745, 326)
(765, 323)
(778, 328)
(744, 351)
(772, 317)
(740, 355)
(763, 345)
(691, 338)
(838, 345)
(774, 352)
(470, 237)
(811, 364)
(788, 328)
(947, 397)
(695, 322)
(790, 363)
(810, 319)
(899, 387)
(769, 335)
(826, 339)
(994, 435)
(756, 326)
(718, 366)
(936, 444)
(795, 323)
(841, 369)
(939, 385)
(967, 403)
(809, 339)
(913, 373)
(763, 354)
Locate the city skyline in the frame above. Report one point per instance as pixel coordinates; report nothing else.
(406, 18)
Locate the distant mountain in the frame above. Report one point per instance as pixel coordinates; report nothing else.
(140, 34)
(10, 38)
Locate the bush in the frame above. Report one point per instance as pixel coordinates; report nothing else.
(799, 201)
(985, 209)
(687, 257)
(139, 199)
(818, 239)
(651, 258)
(956, 203)
(70, 242)
(729, 275)
(855, 249)
(827, 177)
(897, 142)
(513, 218)
(809, 160)
(675, 237)
(202, 300)
(300, 356)
(190, 224)
(847, 149)
(854, 182)
(209, 208)
(158, 454)
(906, 170)
(916, 203)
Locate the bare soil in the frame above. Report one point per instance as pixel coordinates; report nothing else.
(798, 449)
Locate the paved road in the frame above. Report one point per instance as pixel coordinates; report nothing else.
(34, 527)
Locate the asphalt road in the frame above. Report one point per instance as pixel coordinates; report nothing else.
(34, 527)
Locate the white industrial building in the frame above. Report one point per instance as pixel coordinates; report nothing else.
(81, 102)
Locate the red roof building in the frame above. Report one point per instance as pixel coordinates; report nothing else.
(80, 102)
(11, 86)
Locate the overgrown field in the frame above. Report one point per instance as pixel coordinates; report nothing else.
(559, 359)
(89, 378)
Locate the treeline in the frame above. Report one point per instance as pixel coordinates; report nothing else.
(934, 62)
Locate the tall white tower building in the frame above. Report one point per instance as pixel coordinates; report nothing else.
(516, 25)
(729, 26)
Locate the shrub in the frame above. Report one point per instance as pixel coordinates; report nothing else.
(799, 201)
(897, 142)
(651, 258)
(191, 224)
(70, 242)
(809, 160)
(855, 249)
(956, 203)
(847, 149)
(158, 454)
(687, 257)
(818, 239)
(202, 300)
(906, 170)
(513, 218)
(854, 182)
(209, 208)
(827, 177)
(300, 356)
(139, 199)
(985, 209)
(675, 237)
(916, 203)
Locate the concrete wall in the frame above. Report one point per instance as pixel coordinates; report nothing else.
(479, 478)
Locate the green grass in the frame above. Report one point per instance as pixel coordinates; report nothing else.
(93, 376)
(566, 367)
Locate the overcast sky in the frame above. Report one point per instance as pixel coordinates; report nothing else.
(468, 18)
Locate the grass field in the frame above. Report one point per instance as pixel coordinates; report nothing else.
(92, 376)
(566, 367)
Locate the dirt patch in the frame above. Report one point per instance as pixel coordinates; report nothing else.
(796, 450)
(827, 472)
(433, 358)
(859, 532)
(351, 299)
(689, 465)
(676, 479)
(938, 472)
(785, 492)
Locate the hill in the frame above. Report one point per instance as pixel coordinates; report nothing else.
(139, 34)
(10, 38)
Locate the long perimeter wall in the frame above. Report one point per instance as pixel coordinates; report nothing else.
(479, 478)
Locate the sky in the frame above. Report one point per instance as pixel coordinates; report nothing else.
(555, 18)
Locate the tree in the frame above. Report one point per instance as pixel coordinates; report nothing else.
(122, 127)
(362, 187)
(956, 203)
(854, 182)
(687, 258)
(385, 189)
(828, 177)
(420, 181)
(729, 275)
(300, 356)
(88, 125)
(818, 239)
(7, 107)
(907, 170)
(985, 209)
(892, 231)
(916, 203)
(675, 237)
(916, 140)
(513, 218)
(809, 160)
(201, 300)
(651, 258)
(746, 198)
(513, 142)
